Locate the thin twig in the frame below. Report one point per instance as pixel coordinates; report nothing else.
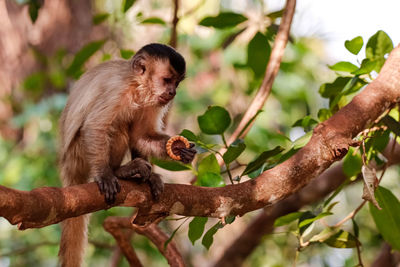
(271, 71)
(360, 263)
(175, 21)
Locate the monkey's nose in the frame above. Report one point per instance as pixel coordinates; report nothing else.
(172, 93)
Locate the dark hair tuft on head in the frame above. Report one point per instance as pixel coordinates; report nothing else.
(162, 51)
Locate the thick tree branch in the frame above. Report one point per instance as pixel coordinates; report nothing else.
(123, 237)
(115, 225)
(329, 142)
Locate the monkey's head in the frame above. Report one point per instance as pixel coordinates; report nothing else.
(158, 69)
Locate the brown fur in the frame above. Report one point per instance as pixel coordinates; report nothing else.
(112, 108)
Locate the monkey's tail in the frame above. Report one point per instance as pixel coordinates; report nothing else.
(74, 230)
(73, 241)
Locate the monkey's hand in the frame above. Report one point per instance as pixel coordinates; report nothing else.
(137, 168)
(187, 154)
(108, 186)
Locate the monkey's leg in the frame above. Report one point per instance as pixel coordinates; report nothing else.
(141, 169)
(136, 168)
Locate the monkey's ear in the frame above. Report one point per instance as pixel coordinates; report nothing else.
(138, 65)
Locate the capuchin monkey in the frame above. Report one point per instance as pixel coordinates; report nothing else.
(116, 107)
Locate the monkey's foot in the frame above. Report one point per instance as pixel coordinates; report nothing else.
(156, 185)
(109, 187)
(137, 168)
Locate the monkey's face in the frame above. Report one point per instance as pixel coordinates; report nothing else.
(161, 81)
(165, 81)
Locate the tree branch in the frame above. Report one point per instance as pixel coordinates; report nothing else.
(175, 20)
(329, 142)
(114, 225)
(123, 236)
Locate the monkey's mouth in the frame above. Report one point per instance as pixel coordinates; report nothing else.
(164, 100)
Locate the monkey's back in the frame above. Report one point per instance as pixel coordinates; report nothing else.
(91, 99)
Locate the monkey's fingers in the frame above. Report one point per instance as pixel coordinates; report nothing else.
(100, 184)
(187, 154)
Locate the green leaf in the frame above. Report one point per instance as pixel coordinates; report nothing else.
(306, 215)
(288, 218)
(307, 122)
(261, 159)
(126, 53)
(392, 124)
(307, 221)
(214, 121)
(210, 179)
(189, 135)
(354, 45)
(366, 67)
(351, 87)
(302, 141)
(127, 4)
(378, 46)
(170, 165)
(82, 56)
(324, 114)
(328, 90)
(209, 172)
(276, 14)
(154, 20)
(209, 164)
(34, 6)
(223, 20)
(35, 82)
(258, 52)
(99, 18)
(342, 239)
(352, 163)
(356, 229)
(234, 151)
(336, 238)
(208, 237)
(173, 234)
(324, 235)
(196, 228)
(344, 66)
(387, 220)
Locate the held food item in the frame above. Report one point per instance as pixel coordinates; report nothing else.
(174, 145)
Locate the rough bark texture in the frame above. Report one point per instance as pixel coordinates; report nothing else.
(330, 141)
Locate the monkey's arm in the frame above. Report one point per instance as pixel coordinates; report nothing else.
(155, 145)
(97, 145)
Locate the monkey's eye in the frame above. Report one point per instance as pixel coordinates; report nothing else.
(167, 80)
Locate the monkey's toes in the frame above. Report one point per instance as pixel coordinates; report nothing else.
(109, 187)
(137, 168)
(156, 186)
